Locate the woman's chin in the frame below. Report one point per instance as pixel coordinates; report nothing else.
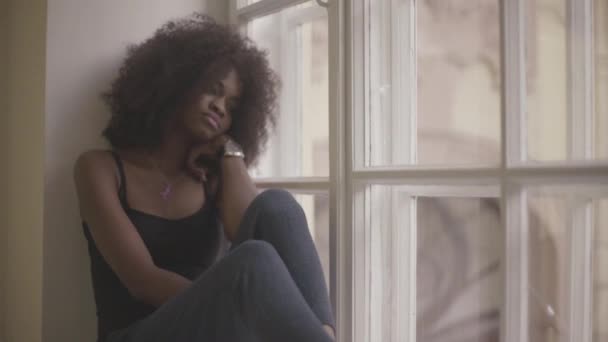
(204, 135)
(202, 131)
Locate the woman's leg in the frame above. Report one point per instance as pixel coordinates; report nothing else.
(248, 295)
(276, 217)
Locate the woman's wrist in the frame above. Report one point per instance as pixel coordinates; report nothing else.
(229, 163)
(232, 149)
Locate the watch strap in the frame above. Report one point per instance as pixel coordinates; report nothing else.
(232, 149)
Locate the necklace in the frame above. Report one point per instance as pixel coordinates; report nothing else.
(167, 184)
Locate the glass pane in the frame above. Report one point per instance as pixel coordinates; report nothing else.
(458, 273)
(547, 97)
(296, 40)
(601, 78)
(548, 292)
(459, 82)
(458, 85)
(553, 261)
(459, 291)
(547, 60)
(316, 208)
(600, 271)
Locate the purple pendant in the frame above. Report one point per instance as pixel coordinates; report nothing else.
(166, 192)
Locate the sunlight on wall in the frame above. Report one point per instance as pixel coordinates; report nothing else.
(24, 167)
(3, 152)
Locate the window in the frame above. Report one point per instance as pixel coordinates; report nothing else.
(462, 149)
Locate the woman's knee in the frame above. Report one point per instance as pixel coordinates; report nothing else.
(277, 200)
(256, 252)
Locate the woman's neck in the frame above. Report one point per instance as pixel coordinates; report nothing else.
(171, 155)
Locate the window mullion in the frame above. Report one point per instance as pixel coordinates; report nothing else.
(601, 74)
(404, 255)
(378, 80)
(288, 135)
(402, 77)
(581, 247)
(514, 76)
(358, 327)
(377, 269)
(261, 8)
(342, 197)
(515, 221)
(295, 183)
(580, 79)
(358, 81)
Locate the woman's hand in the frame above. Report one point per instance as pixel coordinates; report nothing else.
(203, 158)
(227, 181)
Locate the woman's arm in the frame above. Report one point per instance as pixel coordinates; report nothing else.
(236, 192)
(115, 236)
(227, 177)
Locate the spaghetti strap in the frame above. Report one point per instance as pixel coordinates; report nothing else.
(122, 187)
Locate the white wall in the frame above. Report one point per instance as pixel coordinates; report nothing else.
(86, 41)
(22, 158)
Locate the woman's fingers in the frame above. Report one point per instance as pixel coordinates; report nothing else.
(204, 157)
(196, 169)
(198, 173)
(219, 142)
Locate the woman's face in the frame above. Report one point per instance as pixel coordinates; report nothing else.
(211, 113)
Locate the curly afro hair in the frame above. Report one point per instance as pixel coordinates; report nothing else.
(163, 74)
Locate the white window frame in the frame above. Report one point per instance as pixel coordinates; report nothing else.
(511, 181)
(286, 156)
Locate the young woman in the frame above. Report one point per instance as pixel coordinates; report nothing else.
(191, 108)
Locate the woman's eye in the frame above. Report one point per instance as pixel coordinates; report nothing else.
(217, 89)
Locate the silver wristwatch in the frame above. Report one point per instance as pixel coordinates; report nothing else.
(232, 149)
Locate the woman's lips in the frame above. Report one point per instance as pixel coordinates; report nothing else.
(212, 120)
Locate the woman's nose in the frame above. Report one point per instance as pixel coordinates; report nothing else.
(219, 106)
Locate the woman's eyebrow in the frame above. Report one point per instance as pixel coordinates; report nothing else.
(221, 85)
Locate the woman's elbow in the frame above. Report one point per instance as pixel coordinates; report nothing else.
(230, 234)
(140, 291)
(141, 287)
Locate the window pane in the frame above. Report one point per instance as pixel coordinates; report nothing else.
(456, 97)
(547, 69)
(601, 78)
(459, 81)
(296, 41)
(316, 208)
(548, 66)
(548, 292)
(554, 264)
(458, 278)
(459, 291)
(600, 271)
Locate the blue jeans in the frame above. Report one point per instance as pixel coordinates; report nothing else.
(269, 287)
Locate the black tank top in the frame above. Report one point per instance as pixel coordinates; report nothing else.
(186, 246)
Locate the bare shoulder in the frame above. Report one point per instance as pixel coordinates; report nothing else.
(96, 181)
(94, 164)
